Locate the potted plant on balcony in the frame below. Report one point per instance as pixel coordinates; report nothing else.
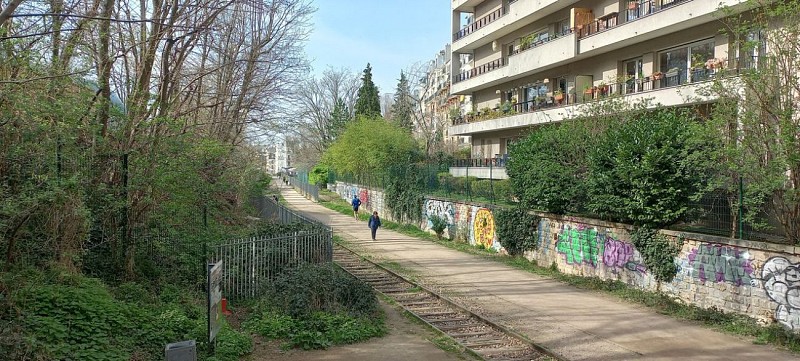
(657, 75)
(632, 5)
(558, 96)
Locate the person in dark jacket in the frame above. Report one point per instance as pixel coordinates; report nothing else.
(374, 223)
(355, 202)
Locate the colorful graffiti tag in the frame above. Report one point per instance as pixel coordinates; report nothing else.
(585, 245)
(483, 228)
(720, 264)
(781, 280)
(579, 245)
(463, 216)
(363, 195)
(439, 208)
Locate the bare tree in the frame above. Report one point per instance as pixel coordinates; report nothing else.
(315, 119)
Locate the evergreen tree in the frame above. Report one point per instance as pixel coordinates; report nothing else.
(368, 103)
(402, 109)
(337, 120)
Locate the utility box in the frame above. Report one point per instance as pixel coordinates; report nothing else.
(181, 351)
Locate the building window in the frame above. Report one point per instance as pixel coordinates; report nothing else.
(686, 63)
(752, 50)
(562, 27)
(632, 69)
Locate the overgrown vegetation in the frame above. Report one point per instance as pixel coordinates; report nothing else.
(121, 157)
(317, 306)
(59, 315)
(516, 229)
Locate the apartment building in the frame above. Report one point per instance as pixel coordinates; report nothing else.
(537, 61)
(435, 100)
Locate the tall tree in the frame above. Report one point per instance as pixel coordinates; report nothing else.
(338, 119)
(368, 103)
(403, 107)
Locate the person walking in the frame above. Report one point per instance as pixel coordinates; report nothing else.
(374, 223)
(355, 202)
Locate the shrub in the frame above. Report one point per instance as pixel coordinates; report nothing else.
(482, 188)
(445, 180)
(319, 175)
(502, 189)
(462, 184)
(308, 288)
(516, 229)
(548, 169)
(649, 169)
(438, 224)
(316, 306)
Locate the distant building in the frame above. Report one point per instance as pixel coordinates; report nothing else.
(282, 157)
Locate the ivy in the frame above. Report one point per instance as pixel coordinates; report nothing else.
(657, 251)
(516, 229)
(405, 192)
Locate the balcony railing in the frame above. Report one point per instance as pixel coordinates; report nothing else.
(478, 70)
(631, 86)
(635, 10)
(534, 44)
(483, 21)
(498, 161)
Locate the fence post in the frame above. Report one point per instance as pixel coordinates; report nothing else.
(491, 181)
(741, 206)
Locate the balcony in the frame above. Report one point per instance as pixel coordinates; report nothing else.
(644, 21)
(527, 61)
(520, 13)
(670, 89)
(479, 24)
(464, 5)
(483, 168)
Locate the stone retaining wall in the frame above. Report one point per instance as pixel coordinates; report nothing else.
(758, 279)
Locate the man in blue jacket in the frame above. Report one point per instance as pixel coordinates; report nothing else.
(356, 202)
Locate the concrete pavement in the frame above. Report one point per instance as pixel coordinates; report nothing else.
(577, 324)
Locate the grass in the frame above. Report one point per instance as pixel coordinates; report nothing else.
(713, 318)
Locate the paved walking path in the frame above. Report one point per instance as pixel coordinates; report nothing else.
(577, 324)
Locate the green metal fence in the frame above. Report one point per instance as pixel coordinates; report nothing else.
(719, 213)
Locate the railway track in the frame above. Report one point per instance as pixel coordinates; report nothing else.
(478, 335)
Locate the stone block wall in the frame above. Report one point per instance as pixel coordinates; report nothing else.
(758, 279)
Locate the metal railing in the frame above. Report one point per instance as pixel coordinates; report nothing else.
(249, 264)
(480, 69)
(533, 44)
(483, 21)
(308, 190)
(635, 10)
(498, 162)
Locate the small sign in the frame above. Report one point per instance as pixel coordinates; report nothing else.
(214, 300)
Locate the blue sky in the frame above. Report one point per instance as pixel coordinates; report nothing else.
(388, 34)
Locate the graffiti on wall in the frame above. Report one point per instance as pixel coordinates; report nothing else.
(586, 245)
(579, 244)
(543, 239)
(463, 216)
(781, 280)
(439, 208)
(483, 228)
(363, 195)
(719, 264)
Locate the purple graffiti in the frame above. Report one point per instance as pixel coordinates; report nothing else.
(617, 253)
(721, 264)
